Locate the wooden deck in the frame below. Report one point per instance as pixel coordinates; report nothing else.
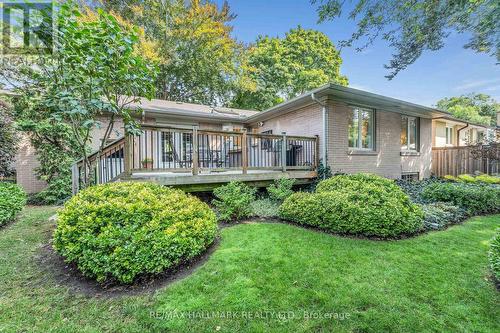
(199, 160)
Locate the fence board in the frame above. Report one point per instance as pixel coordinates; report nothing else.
(459, 160)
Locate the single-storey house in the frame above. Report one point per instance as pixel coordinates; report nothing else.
(349, 130)
(452, 132)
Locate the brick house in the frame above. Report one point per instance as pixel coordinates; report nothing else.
(348, 129)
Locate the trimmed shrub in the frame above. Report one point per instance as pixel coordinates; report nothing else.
(475, 199)
(265, 207)
(12, 201)
(494, 255)
(360, 204)
(302, 208)
(233, 201)
(484, 178)
(450, 177)
(439, 215)
(281, 189)
(355, 182)
(119, 231)
(466, 178)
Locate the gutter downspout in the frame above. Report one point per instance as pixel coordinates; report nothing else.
(324, 113)
(458, 134)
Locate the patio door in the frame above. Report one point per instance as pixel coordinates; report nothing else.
(175, 149)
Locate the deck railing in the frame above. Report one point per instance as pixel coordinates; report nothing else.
(167, 149)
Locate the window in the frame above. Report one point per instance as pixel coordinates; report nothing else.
(449, 135)
(361, 129)
(409, 133)
(410, 176)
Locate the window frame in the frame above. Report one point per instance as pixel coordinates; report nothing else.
(359, 140)
(449, 129)
(417, 134)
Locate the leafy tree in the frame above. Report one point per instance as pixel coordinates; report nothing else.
(275, 69)
(98, 69)
(8, 139)
(414, 26)
(476, 108)
(198, 56)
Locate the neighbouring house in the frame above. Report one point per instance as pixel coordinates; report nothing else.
(452, 132)
(186, 144)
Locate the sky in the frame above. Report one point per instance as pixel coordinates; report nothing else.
(451, 71)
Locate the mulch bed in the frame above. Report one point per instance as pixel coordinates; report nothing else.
(69, 276)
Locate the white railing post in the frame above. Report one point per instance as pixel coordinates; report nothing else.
(195, 151)
(244, 152)
(75, 177)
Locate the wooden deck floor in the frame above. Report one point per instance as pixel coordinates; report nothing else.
(210, 180)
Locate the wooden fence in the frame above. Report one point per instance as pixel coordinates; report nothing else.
(459, 160)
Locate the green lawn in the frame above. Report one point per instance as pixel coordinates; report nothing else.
(435, 282)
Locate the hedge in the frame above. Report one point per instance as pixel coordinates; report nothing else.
(474, 198)
(360, 204)
(12, 201)
(118, 231)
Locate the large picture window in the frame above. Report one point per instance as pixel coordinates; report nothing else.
(409, 133)
(361, 131)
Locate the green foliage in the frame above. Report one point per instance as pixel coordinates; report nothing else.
(414, 188)
(198, 55)
(8, 140)
(467, 178)
(360, 204)
(119, 231)
(475, 199)
(355, 182)
(12, 201)
(58, 190)
(439, 215)
(265, 207)
(494, 255)
(411, 27)
(96, 71)
(476, 108)
(281, 189)
(282, 68)
(233, 201)
(484, 178)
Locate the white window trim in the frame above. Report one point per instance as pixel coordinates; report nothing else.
(417, 134)
(372, 132)
(449, 129)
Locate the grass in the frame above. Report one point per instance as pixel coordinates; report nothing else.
(434, 282)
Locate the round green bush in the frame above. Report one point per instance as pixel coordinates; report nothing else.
(12, 201)
(354, 182)
(375, 209)
(119, 231)
(494, 255)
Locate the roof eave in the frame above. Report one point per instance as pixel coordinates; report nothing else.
(355, 97)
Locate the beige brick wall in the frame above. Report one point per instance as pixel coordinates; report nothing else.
(386, 160)
(25, 165)
(306, 121)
